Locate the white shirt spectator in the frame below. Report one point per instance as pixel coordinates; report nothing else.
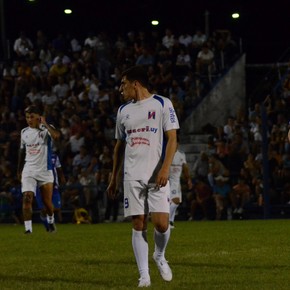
(185, 39)
(49, 98)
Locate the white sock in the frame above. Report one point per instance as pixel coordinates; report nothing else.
(140, 248)
(173, 207)
(50, 219)
(161, 240)
(28, 225)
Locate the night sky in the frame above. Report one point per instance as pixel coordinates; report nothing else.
(263, 25)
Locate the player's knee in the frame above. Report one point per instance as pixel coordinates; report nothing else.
(27, 198)
(162, 227)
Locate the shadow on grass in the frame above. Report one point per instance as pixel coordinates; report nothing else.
(54, 280)
(229, 266)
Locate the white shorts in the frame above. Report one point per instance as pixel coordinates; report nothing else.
(142, 198)
(175, 190)
(31, 179)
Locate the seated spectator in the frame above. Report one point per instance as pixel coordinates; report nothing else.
(81, 160)
(58, 69)
(240, 196)
(216, 168)
(168, 39)
(198, 39)
(199, 198)
(183, 59)
(71, 192)
(145, 58)
(221, 195)
(185, 39)
(61, 88)
(201, 166)
(49, 98)
(33, 95)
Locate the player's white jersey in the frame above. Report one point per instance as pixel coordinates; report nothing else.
(142, 124)
(176, 166)
(38, 146)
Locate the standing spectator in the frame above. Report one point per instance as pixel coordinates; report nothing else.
(205, 60)
(146, 188)
(23, 46)
(168, 39)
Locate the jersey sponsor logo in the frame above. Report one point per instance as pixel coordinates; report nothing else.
(138, 141)
(33, 145)
(151, 115)
(144, 129)
(172, 115)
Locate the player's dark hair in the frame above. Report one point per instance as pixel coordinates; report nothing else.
(33, 109)
(137, 73)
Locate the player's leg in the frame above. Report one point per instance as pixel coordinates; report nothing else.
(42, 209)
(135, 193)
(173, 207)
(46, 194)
(28, 186)
(140, 248)
(175, 197)
(27, 210)
(56, 201)
(158, 200)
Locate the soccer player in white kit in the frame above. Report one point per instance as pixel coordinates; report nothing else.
(34, 165)
(178, 167)
(146, 139)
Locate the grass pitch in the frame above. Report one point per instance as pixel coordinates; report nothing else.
(203, 255)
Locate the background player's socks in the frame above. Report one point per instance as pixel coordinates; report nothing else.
(44, 221)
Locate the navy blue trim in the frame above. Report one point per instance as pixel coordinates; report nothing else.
(122, 106)
(159, 99)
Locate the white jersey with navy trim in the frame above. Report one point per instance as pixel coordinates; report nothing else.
(142, 125)
(38, 146)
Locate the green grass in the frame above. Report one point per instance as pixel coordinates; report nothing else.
(203, 255)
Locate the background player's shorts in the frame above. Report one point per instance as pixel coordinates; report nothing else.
(56, 199)
(142, 198)
(175, 190)
(31, 180)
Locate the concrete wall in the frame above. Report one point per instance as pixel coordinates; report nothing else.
(225, 99)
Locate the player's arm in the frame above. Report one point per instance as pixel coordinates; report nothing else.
(118, 157)
(186, 174)
(54, 133)
(170, 150)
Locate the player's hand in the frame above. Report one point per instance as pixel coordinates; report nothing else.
(43, 121)
(112, 190)
(162, 178)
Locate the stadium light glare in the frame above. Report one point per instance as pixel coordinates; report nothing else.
(235, 15)
(155, 22)
(67, 11)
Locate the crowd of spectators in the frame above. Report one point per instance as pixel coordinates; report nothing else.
(75, 81)
(240, 155)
